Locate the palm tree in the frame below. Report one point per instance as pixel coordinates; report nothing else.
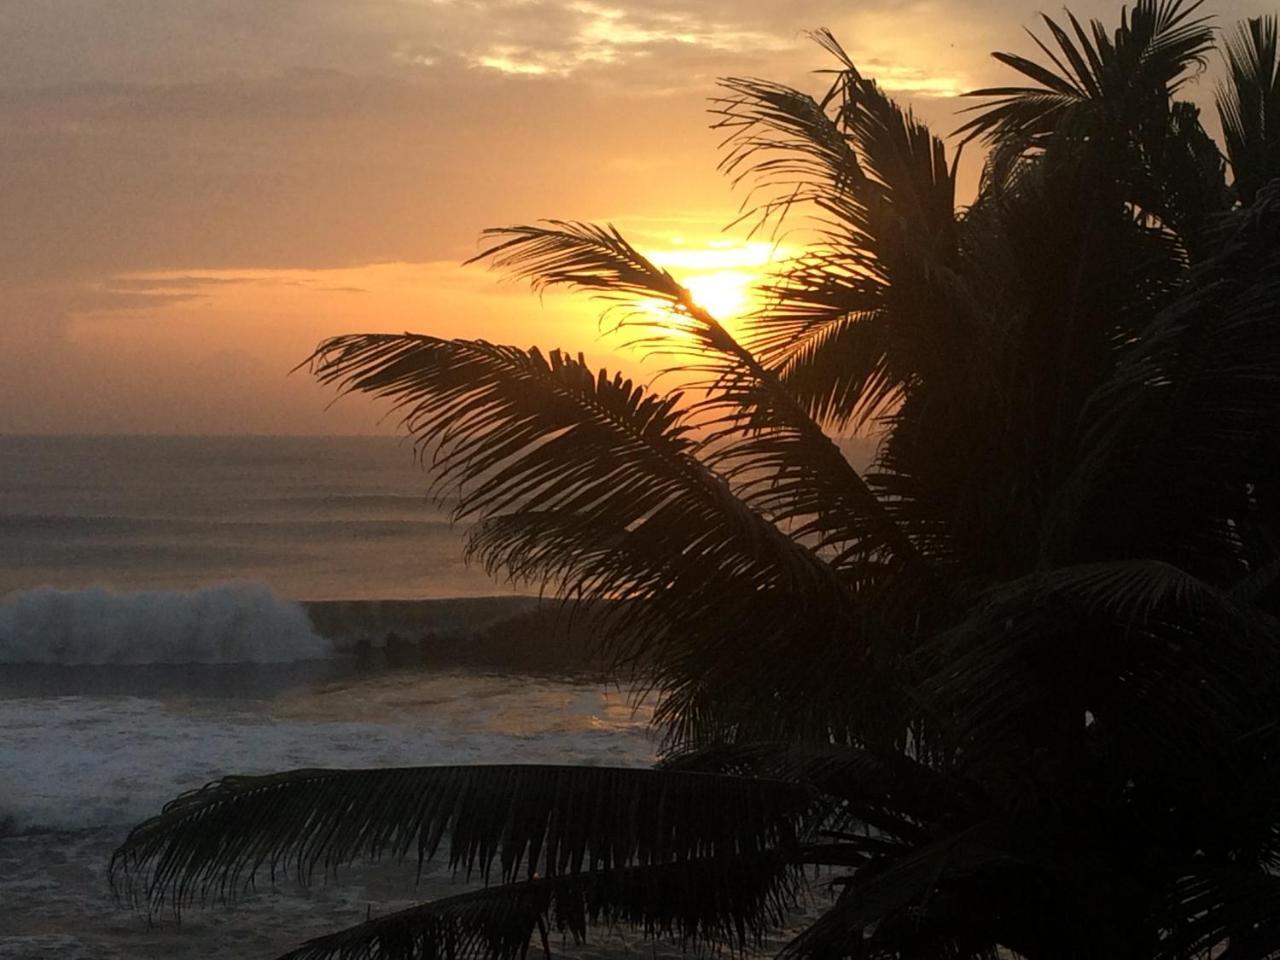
(1017, 687)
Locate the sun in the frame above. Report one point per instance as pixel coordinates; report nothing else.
(725, 294)
(721, 274)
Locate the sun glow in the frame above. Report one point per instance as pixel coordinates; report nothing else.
(721, 274)
(726, 295)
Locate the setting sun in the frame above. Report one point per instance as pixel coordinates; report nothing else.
(726, 295)
(722, 274)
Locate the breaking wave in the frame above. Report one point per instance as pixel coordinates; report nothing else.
(224, 623)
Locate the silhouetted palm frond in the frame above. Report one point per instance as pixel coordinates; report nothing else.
(520, 439)
(1157, 660)
(507, 430)
(1096, 79)
(779, 461)
(1249, 106)
(1235, 907)
(731, 901)
(499, 821)
(580, 256)
(901, 798)
(1179, 435)
(898, 899)
(787, 151)
(883, 202)
(836, 364)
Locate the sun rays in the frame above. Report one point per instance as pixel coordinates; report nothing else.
(723, 275)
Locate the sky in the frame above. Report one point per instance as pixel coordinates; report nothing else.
(193, 193)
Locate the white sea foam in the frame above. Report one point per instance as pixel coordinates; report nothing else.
(72, 763)
(225, 623)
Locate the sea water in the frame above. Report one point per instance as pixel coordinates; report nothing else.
(158, 630)
(312, 517)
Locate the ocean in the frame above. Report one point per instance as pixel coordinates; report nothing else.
(313, 517)
(175, 609)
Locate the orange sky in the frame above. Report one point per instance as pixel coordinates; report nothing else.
(193, 192)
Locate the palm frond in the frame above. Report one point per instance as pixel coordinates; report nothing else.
(714, 655)
(915, 207)
(905, 885)
(1179, 432)
(509, 430)
(1128, 589)
(1137, 654)
(901, 798)
(1095, 78)
(836, 365)
(494, 923)
(758, 428)
(576, 255)
(1227, 913)
(590, 486)
(499, 821)
(854, 155)
(882, 198)
(784, 147)
(1249, 106)
(1187, 186)
(721, 901)
(584, 256)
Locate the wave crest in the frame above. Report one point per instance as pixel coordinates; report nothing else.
(225, 623)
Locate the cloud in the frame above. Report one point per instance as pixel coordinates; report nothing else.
(182, 134)
(154, 153)
(612, 35)
(168, 282)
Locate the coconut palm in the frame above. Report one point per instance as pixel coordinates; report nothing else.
(1016, 687)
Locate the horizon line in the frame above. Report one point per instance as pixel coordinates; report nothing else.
(158, 435)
